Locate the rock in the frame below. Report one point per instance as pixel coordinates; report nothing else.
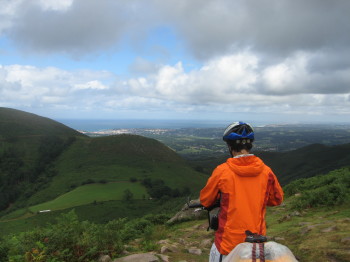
(182, 241)
(168, 248)
(295, 214)
(306, 229)
(304, 223)
(205, 243)
(277, 239)
(346, 220)
(164, 258)
(186, 214)
(329, 229)
(125, 252)
(104, 258)
(144, 257)
(345, 240)
(163, 242)
(195, 251)
(289, 216)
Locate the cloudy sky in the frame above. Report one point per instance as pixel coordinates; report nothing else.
(268, 60)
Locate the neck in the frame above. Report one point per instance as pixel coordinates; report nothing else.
(243, 152)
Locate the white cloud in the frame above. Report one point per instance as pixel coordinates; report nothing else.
(32, 85)
(219, 80)
(234, 83)
(76, 28)
(91, 85)
(55, 5)
(252, 56)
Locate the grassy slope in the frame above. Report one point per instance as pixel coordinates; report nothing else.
(108, 159)
(91, 193)
(25, 131)
(307, 161)
(301, 163)
(311, 233)
(98, 212)
(15, 122)
(119, 158)
(305, 234)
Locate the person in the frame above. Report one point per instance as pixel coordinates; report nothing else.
(244, 185)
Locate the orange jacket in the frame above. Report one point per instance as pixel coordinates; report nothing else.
(247, 186)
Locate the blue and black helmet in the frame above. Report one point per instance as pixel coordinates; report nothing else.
(238, 131)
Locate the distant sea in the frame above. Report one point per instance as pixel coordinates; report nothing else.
(97, 125)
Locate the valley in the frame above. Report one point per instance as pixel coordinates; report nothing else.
(135, 179)
(208, 141)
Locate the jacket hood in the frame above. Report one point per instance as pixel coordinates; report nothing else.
(247, 166)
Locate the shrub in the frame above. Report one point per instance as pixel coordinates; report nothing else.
(133, 179)
(88, 181)
(127, 195)
(3, 251)
(326, 190)
(71, 240)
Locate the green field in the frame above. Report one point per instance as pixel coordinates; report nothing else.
(81, 196)
(92, 193)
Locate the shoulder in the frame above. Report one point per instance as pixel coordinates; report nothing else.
(222, 167)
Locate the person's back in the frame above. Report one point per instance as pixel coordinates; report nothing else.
(245, 185)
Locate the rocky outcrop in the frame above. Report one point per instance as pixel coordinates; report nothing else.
(187, 213)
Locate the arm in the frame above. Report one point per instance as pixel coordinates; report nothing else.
(210, 193)
(275, 192)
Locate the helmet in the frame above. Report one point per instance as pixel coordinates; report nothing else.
(237, 131)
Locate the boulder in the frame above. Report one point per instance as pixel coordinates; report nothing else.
(329, 229)
(195, 251)
(280, 239)
(164, 258)
(186, 214)
(206, 243)
(182, 241)
(104, 258)
(168, 248)
(163, 242)
(345, 240)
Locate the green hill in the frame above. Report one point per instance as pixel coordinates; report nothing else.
(304, 162)
(28, 146)
(119, 158)
(307, 161)
(44, 163)
(18, 125)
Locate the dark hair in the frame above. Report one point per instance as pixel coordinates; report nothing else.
(240, 144)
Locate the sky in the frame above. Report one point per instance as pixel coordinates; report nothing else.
(256, 60)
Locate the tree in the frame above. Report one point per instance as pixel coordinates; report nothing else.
(127, 195)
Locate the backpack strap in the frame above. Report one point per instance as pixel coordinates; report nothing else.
(262, 252)
(254, 253)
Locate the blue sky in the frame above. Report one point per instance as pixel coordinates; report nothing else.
(255, 60)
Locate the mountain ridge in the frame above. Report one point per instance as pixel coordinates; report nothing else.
(46, 159)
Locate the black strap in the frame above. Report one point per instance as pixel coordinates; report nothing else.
(220, 258)
(208, 221)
